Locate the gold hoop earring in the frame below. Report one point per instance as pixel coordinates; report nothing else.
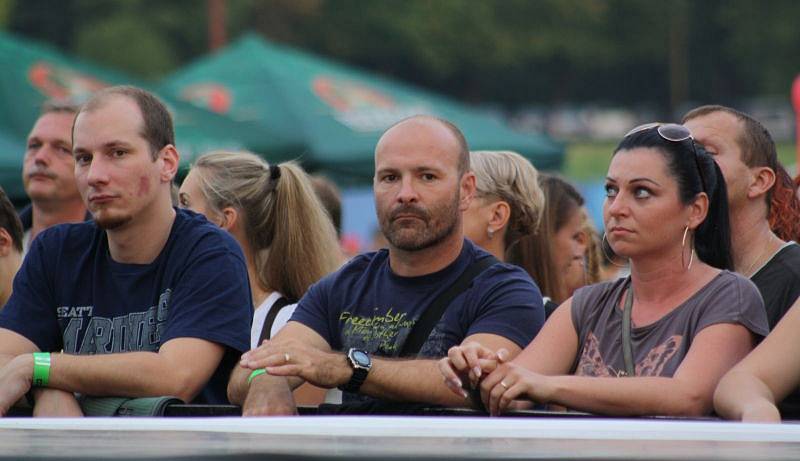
(683, 248)
(603, 244)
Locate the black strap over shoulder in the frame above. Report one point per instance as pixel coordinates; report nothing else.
(424, 325)
(269, 320)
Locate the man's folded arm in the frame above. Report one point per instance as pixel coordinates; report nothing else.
(181, 368)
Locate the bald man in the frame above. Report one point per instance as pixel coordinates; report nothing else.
(350, 329)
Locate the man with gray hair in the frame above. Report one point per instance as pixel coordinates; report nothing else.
(48, 172)
(370, 328)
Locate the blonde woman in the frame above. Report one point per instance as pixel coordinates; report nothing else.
(274, 214)
(508, 202)
(286, 235)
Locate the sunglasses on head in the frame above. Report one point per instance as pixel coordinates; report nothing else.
(674, 133)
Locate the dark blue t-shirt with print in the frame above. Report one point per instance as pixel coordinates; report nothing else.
(71, 295)
(366, 306)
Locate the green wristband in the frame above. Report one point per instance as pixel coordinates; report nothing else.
(255, 373)
(41, 369)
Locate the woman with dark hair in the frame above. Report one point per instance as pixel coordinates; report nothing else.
(671, 329)
(554, 255)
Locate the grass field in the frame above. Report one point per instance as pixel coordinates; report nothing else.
(588, 161)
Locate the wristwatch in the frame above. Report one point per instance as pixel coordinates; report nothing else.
(360, 363)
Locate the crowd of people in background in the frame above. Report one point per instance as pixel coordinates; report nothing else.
(492, 289)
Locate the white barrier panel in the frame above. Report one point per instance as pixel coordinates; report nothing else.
(396, 437)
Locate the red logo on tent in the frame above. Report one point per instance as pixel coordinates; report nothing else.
(62, 83)
(362, 108)
(345, 96)
(211, 96)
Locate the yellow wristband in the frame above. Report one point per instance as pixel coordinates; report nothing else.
(255, 373)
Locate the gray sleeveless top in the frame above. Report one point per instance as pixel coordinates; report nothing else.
(658, 348)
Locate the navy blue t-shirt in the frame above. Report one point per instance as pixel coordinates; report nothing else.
(366, 306)
(70, 295)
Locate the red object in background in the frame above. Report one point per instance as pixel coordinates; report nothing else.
(350, 244)
(796, 105)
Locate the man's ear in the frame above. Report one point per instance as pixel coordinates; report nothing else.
(6, 243)
(170, 160)
(467, 189)
(762, 180)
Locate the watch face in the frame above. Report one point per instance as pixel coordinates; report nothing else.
(361, 358)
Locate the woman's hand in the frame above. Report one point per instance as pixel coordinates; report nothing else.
(469, 362)
(510, 382)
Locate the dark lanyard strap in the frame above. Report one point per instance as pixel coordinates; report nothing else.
(269, 320)
(627, 347)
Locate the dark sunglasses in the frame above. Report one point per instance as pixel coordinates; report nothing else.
(675, 133)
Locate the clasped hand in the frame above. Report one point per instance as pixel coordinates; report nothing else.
(15, 381)
(500, 382)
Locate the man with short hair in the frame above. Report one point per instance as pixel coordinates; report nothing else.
(350, 329)
(48, 172)
(746, 154)
(146, 300)
(10, 246)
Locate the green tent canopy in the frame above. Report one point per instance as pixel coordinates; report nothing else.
(34, 73)
(333, 114)
(11, 148)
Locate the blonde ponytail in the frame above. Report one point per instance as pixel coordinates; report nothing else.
(291, 237)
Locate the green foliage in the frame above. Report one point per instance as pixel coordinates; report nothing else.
(129, 46)
(510, 52)
(5, 11)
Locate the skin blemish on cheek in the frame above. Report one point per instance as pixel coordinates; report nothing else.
(144, 187)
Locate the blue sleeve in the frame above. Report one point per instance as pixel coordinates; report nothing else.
(31, 310)
(312, 310)
(509, 304)
(211, 299)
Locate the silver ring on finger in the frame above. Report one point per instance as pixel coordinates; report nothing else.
(286, 357)
(505, 386)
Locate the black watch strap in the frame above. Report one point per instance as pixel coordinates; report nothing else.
(360, 372)
(358, 378)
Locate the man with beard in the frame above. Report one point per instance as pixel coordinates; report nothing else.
(47, 173)
(350, 329)
(146, 300)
